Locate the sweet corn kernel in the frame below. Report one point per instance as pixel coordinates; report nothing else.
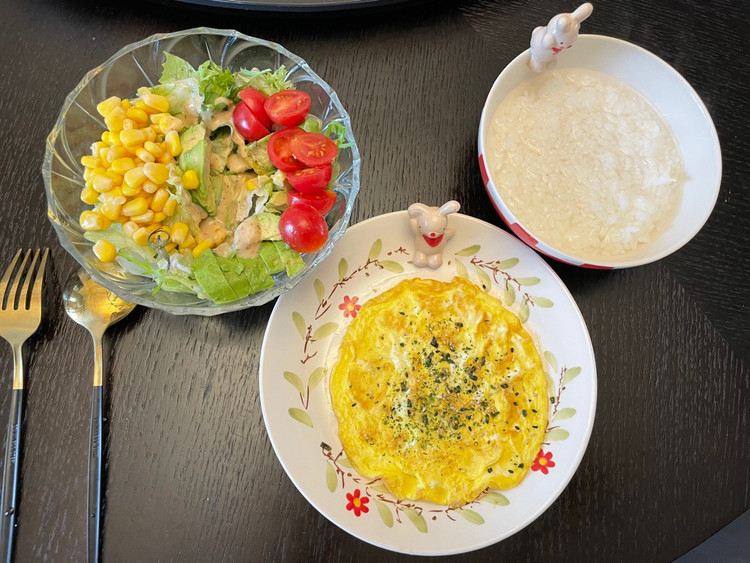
(125, 104)
(170, 247)
(140, 236)
(143, 155)
(149, 187)
(122, 164)
(102, 183)
(90, 161)
(150, 133)
(190, 180)
(134, 177)
(131, 191)
(89, 195)
(170, 207)
(200, 247)
(174, 146)
(128, 123)
(170, 123)
(114, 119)
(190, 242)
(116, 178)
(112, 208)
(104, 250)
(155, 101)
(159, 216)
(93, 221)
(153, 148)
(179, 232)
(137, 115)
(105, 107)
(140, 104)
(146, 217)
(135, 206)
(130, 227)
(156, 172)
(132, 137)
(161, 196)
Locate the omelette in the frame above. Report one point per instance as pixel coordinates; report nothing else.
(439, 391)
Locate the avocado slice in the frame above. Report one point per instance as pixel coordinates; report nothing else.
(234, 272)
(256, 273)
(270, 256)
(256, 156)
(269, 226)
(196, 156)
(210, 277)
(291, 258)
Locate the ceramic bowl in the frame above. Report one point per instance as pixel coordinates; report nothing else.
(677, 102)
(140, 64)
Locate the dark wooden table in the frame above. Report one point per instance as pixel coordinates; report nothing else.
(191, 472)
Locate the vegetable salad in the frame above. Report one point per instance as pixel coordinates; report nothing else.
(211, 181)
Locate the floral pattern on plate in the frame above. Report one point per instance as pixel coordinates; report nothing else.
(367, 261)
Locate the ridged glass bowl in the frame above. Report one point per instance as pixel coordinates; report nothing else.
(140, 64)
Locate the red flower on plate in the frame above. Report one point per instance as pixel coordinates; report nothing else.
(356, 503)
(350, 306)
(543, 462)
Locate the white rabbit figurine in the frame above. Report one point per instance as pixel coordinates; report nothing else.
(431, 231)
(560, 33)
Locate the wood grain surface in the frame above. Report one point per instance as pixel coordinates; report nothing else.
(191, 475)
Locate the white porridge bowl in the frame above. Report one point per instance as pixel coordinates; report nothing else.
(671, 96)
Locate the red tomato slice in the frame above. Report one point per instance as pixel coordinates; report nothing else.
(314, 149)
(280, 152)
(288, 107)
(323, 201)
(310, 179)
(254, 99)
(303, 228)
(247, 124)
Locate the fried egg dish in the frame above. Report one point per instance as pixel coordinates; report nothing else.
(439, 391)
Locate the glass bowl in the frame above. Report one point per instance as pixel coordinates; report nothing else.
(140, 64)
(673, 98)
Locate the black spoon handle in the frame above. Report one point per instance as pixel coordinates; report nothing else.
(95, 475)
(10, 474)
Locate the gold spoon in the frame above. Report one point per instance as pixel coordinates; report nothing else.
(95, 308)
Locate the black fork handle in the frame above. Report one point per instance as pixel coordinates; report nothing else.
(8, 502)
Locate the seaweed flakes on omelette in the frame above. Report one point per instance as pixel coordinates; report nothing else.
(440, 391)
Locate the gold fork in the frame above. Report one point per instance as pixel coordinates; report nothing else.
(20, 315)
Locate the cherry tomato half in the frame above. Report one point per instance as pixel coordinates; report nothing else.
(303, 228)
(310, 179)
(314, 149)
(288, 107)
(280, 152)
(254, 99)
(323, 201)
(247, 124)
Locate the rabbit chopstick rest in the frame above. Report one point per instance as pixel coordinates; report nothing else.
(560, 33)
(431, 231)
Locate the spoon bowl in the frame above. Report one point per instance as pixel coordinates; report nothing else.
(96, 308)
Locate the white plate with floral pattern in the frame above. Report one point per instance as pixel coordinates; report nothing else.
(301, 342)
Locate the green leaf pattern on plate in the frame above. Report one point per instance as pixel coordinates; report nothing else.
(488, 273)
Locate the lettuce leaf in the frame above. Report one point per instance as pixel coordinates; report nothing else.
(216, 82)
(264, 80)
(175, 68)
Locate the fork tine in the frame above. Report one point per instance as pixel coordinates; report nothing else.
(14, 295)
(36, 292)
(6, 277)
(24, 297)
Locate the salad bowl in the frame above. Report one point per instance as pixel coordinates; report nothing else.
(141, 64)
